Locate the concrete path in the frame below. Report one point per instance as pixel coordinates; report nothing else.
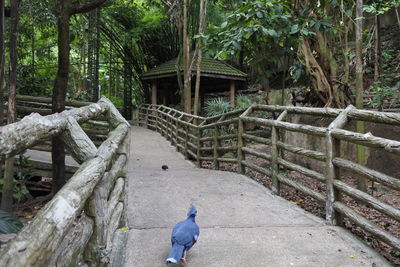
(241, 222)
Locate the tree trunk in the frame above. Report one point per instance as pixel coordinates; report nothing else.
(360, 127)
(377, 48)
(2, 61)
(64, 10)
(202, 19)
(8, 186)
(60, 92)
(187, 90)
(93, 54)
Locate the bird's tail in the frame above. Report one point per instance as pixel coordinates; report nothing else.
(175, 254)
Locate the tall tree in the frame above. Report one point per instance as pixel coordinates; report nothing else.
(64, 10)
(187, 73)
(8, 186)
(198, 52)
(93, 53)
(362, 185)
(2, 61)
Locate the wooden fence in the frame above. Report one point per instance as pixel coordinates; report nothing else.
(230, 137)
(80, 223)
(97, 129)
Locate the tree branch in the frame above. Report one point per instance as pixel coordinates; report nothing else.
(83, 8)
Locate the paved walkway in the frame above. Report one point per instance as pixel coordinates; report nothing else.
(241, 223)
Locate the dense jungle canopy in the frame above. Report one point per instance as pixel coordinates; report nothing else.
(279, 43)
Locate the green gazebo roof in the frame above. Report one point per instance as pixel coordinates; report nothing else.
(209, 67)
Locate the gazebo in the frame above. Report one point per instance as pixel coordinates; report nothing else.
(216, 77)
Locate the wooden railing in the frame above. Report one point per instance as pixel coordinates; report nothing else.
(230, 138)
(80, 223)
(97, 129)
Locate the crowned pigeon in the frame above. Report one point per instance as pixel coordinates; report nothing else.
(184, 236)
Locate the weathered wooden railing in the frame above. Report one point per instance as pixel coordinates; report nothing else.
(97, 129)
(230, 137)
(80, 223)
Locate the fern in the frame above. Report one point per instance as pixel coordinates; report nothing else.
(217, 106)
(8, 223)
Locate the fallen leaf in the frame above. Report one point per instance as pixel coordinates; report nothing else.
(297, 202)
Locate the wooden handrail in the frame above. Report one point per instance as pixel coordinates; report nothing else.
(51, 236)
(209, 147)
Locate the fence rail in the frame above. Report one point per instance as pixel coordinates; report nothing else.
(228, 138)
(97, 129)
(80, 223)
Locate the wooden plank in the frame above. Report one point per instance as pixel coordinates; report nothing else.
(301, 128)
(231, 160)
(369, 200)
(257, 168)
(302, 151)
(323, 112)
(257, 153)
(367, 225)
(301, 188)
(367, 172)
(392, 118)
(257, 139)
(220, 123)
(368, 140)
(302, 170)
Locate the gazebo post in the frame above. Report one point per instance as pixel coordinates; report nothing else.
(154, 92)
(232, 92)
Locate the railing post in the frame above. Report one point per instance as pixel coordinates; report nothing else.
(332, 172)
(275, 154)
(186, 142)
(216, 145)
(241, 143)
(198, 146)
(177, 131)
(147, 117)
(158, 123)
(169, 127)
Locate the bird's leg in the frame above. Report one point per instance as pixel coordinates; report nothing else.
(184, 258)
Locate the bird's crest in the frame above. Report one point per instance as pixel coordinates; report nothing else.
(192, 211)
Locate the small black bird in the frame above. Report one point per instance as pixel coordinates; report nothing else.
(164, 167)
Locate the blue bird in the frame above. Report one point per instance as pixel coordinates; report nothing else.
(184, 236)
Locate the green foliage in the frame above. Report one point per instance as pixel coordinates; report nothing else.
(264, 33)
(389, 94)
(380, 7)
(117, 101)
(22, 173)
(8, 223)
(243, 102)
(217, 106)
